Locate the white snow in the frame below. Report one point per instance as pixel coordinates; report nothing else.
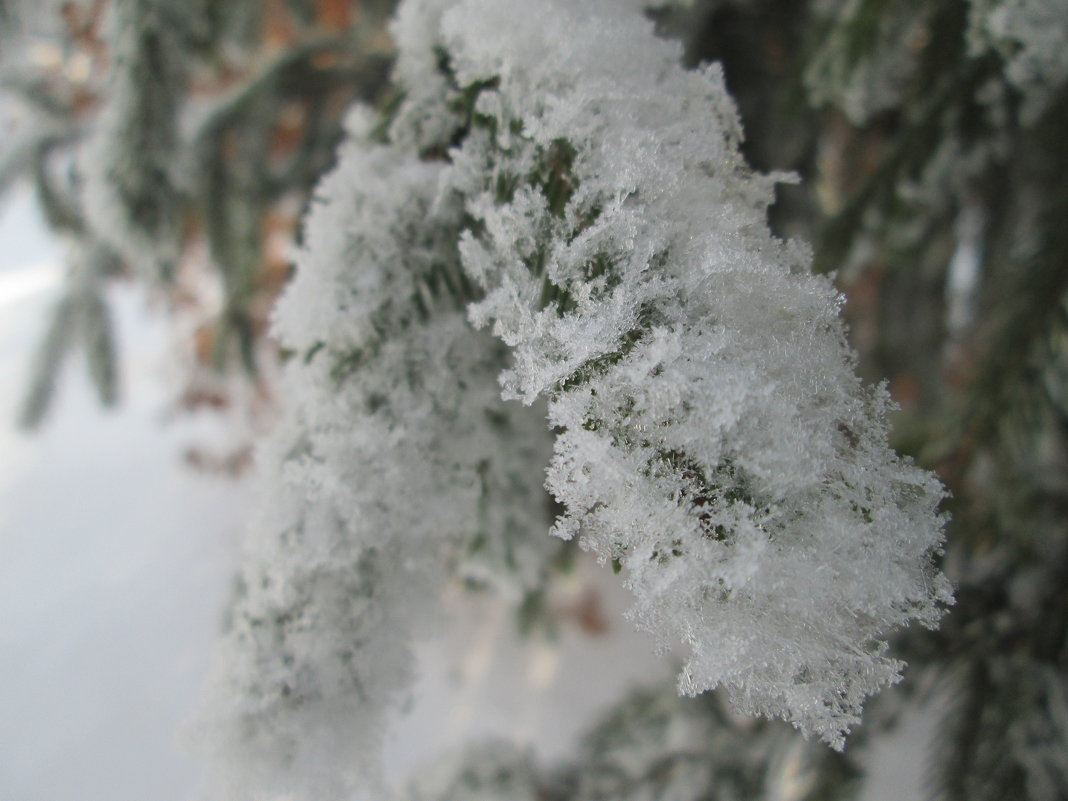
(114, 560)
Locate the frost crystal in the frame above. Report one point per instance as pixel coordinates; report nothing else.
(554, 175)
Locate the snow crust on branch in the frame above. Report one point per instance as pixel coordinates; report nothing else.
(554, 175)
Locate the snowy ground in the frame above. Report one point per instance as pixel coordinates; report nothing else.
(115, 562)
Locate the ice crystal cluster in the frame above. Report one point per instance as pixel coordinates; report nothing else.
(555, 212)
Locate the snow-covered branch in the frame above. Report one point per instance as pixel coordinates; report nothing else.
(554, 175)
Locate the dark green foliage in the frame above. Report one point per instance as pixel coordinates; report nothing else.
(81, 320)
(553, 175)
(53, 348)
(149, 75)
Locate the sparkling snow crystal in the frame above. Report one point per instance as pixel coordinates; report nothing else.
(554, 176)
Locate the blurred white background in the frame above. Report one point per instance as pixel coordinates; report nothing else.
(114, 556)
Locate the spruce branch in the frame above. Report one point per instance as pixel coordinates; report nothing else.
(711, 437)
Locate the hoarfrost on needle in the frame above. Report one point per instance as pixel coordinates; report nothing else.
(554, 176)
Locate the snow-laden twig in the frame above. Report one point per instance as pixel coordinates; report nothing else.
(553, 174)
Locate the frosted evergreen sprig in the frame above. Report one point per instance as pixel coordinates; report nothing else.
(130, 193)
(713, 439)
(552, 173)
(397, 464)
